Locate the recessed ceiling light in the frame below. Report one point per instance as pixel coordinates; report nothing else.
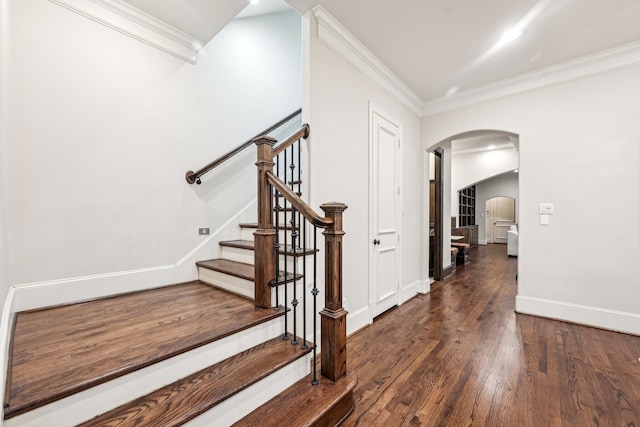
(254, 1)
(515, 170)
(491, 147)
(452, 90)
(510, 35)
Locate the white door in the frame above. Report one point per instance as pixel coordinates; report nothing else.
(384, 214)
(501, 215)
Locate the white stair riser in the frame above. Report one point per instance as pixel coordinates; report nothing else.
(227, 282)
(247, 234)
(242, 403)
(104, 397)
(247, 256)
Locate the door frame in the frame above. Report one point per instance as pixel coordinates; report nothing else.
(437, 256)
(374, 110)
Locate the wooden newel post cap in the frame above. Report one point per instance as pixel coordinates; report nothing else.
(264, 139)
(334, 211)
(333, 207)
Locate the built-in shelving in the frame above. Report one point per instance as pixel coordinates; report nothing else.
(467, 206)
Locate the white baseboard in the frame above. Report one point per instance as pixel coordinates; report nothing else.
(358, 319)
(597, 317)
(482, 242)
(65, 291)
(411, 290)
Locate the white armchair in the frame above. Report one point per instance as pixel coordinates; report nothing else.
(512, 241)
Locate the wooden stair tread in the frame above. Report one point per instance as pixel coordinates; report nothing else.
(304, 404)
(63, 350)
(240, 269)
(191, 396)
(249, 245)
(255, 225)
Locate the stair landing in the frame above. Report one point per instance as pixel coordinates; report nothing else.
(63, 350)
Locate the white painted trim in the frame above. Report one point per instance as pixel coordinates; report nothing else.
(358, 319)
(600, 62)
(584, 315)
(137, 24)
(332, 34)
(411, 290)
(6, 325)
(482, 242)
(61, 291)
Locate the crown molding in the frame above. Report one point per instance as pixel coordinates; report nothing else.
(137, 24)
(600, 62)
(332, 34)
(507, 146)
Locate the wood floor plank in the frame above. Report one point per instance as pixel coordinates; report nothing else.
(63, 350)
(461, 356)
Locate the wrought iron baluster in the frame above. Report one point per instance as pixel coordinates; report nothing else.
(276, 246)
(315, 293)
(285, 336)
(294, 248)
(303, 225)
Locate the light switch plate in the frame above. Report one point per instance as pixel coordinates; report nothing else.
(546, 208)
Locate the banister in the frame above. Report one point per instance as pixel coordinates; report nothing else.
(302, 133)
(192, 176)
(267, 253)
(300, 205)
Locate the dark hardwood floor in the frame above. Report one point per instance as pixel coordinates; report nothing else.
(461, 356)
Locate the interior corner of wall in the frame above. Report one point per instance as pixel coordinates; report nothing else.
(6, 325)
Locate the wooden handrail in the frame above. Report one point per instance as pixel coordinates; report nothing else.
(192, 176)
(300, 205)
(333, 317)
(302, 133)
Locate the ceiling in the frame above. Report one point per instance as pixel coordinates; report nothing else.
(439, 47)
(442, 48)
(202, 19)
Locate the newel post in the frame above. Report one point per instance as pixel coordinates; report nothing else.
(333, 318)
(265, 235)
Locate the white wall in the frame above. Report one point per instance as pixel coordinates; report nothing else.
(503, 185)
(470, 168)
(579, 149)
(338, 110)
(104, 128)
(5, 265)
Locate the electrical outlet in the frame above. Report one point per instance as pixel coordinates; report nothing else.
(203, 231)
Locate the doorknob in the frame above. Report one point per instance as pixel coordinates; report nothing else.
(376, 242)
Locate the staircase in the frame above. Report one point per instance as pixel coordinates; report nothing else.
(216, 351)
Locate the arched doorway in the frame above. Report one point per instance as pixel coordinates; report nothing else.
(469, 158)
